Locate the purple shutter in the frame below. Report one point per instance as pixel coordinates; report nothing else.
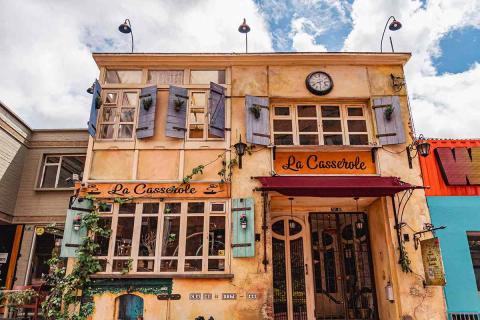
(92, 121)
(258, 129)
(177, 112)
(389, 131)
(146, 115)
(216, 110)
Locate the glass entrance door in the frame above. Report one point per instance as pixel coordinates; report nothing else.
(289, 269)
(344, 287)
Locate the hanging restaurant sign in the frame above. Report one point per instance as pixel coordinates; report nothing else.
(291, 162)
(156, 190)
(432, 262)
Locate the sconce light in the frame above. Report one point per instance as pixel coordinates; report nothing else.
(389, 292)
(240, 149)
(420, 146)
(243, 220)
(77, 222)
(397, 82)
(359, 222)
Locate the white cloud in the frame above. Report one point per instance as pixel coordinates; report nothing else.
(303, 40)
(46, 46)
(443, 105)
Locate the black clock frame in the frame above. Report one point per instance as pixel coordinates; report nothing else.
(315, 91)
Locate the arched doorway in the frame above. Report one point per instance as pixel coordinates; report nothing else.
(130, 307)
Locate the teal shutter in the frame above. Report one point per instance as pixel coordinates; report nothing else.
(72, 238)
(243, 239)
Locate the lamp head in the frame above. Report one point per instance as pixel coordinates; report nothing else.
(423, 149)
(395, 25)
(240, 147)
(244, 27)
(125, 27)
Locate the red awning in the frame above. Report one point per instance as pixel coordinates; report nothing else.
(334, 186)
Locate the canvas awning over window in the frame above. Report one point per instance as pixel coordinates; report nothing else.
(334, 186)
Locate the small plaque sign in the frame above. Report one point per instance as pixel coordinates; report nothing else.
(3, 257)
(207, 296)
(229, 296)
(195, 296)
(251, 296)
(432, 262)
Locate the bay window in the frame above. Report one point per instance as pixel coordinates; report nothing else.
(324, 124)
(165, 237)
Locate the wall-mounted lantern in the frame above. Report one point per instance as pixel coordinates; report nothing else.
(77, 222)
(240, 149)
(420, 146)
(389, 292)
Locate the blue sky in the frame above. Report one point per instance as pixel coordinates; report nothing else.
(45, 70)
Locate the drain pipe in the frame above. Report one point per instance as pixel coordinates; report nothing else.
(265, 228)
(398, 229)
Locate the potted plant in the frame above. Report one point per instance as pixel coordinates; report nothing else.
(147, 103)
(243, 220)
(77, 222)
(178, 104)
(98, 102)
(256, 110)
(388, 112)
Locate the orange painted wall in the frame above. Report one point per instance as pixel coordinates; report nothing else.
(432, 176)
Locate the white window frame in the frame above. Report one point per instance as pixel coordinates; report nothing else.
(206, 121)
(44, 164)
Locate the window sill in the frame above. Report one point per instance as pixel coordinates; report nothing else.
(54, 189)
(325, 148)
(163, 275)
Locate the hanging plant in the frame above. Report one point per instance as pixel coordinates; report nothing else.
(388, 112)
(178, 104)
(404, 260)
(98, 102)
(256, 110)
(147, 103)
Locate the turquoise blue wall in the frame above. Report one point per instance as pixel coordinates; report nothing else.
(459, 214)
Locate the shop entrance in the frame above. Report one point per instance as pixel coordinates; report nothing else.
(343, 278)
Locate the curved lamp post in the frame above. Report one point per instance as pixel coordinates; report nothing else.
(394, 26)
(244, 28)
(126, 27)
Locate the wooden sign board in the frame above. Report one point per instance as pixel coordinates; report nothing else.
(432, 262)
(291, 162)
(156, 190)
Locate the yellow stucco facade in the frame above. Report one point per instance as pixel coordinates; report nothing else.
(358, 80)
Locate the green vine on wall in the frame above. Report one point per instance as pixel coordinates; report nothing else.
(404, 260)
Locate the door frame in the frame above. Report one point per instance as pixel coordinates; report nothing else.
(308, 272)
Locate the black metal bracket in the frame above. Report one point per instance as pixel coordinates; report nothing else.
(428, 228)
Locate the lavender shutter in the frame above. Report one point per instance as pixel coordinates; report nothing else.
(92, 121)
(146, 116)
(258, 130)
(389, 131)
(177, 112)
(216, 110)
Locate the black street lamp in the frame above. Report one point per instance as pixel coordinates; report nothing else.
(245, 28)
(126, 27)
(420, 146)
(394, 26)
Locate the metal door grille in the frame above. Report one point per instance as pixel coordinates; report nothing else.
(464, 316)
(344, 287)
(299, 296)
(280, 301)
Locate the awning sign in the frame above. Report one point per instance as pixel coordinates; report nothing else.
(292, 162)
(432, 262)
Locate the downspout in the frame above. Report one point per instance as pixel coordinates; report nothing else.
(265, 228)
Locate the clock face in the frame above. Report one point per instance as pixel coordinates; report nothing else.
(319, 83)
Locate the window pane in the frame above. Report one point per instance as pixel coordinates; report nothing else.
(171, 233)
(123, 240)
(283, 139)
(358, 139)
(108, 114)
(474, 245)
(127, 115)
(111, 98)
(106, 131)
(103, 265)
(127, 208)
(120, 266)
(332, 125)
(282, 111)
(207, 76)
(123, 76)
(196, 207)
(70, 165)
(216, 265)
(130, 99)
(194, 240)
(197, 115)
(49, 177)
(150, 208)
(53, 159)
(125, 131)
(199, 99)
(168, 265)
(355, 112)
(357, 126)
(148, 237)
(193, 265)
(307, 126)
(196, 131)
(218, 207)
(332, 139)
(145, 265)
(308, 139)
(102, 250)
(165, 76)
(282, 125)
(172, 207)
(307, 111)
(330, 111)
(216, 236)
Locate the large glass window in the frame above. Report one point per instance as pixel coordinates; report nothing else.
(123, 76)
(207, 76)
(117, 116)
(162, 237)
(474, 245)
(325, 124)
(198, 118)
(165, 77)
(58, 170)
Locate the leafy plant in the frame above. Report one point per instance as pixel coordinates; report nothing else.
(128, 267)
(256, 110)
(147, 103)
(404, 260)
(388, 112)
(197, 170)
(178, 103)
(14, 299)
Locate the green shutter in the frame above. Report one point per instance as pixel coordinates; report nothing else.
(72, 238)
(243, 239)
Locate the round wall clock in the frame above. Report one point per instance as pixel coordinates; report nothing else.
(319, 83)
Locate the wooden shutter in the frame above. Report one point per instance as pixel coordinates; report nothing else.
(389, 131)
(92, 121)
(146, 114)
(243, 239)
(177, 116)
(216, 110)
(258, 130)
(71, 238)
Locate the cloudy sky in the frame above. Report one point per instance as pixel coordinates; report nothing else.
(46, 45)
